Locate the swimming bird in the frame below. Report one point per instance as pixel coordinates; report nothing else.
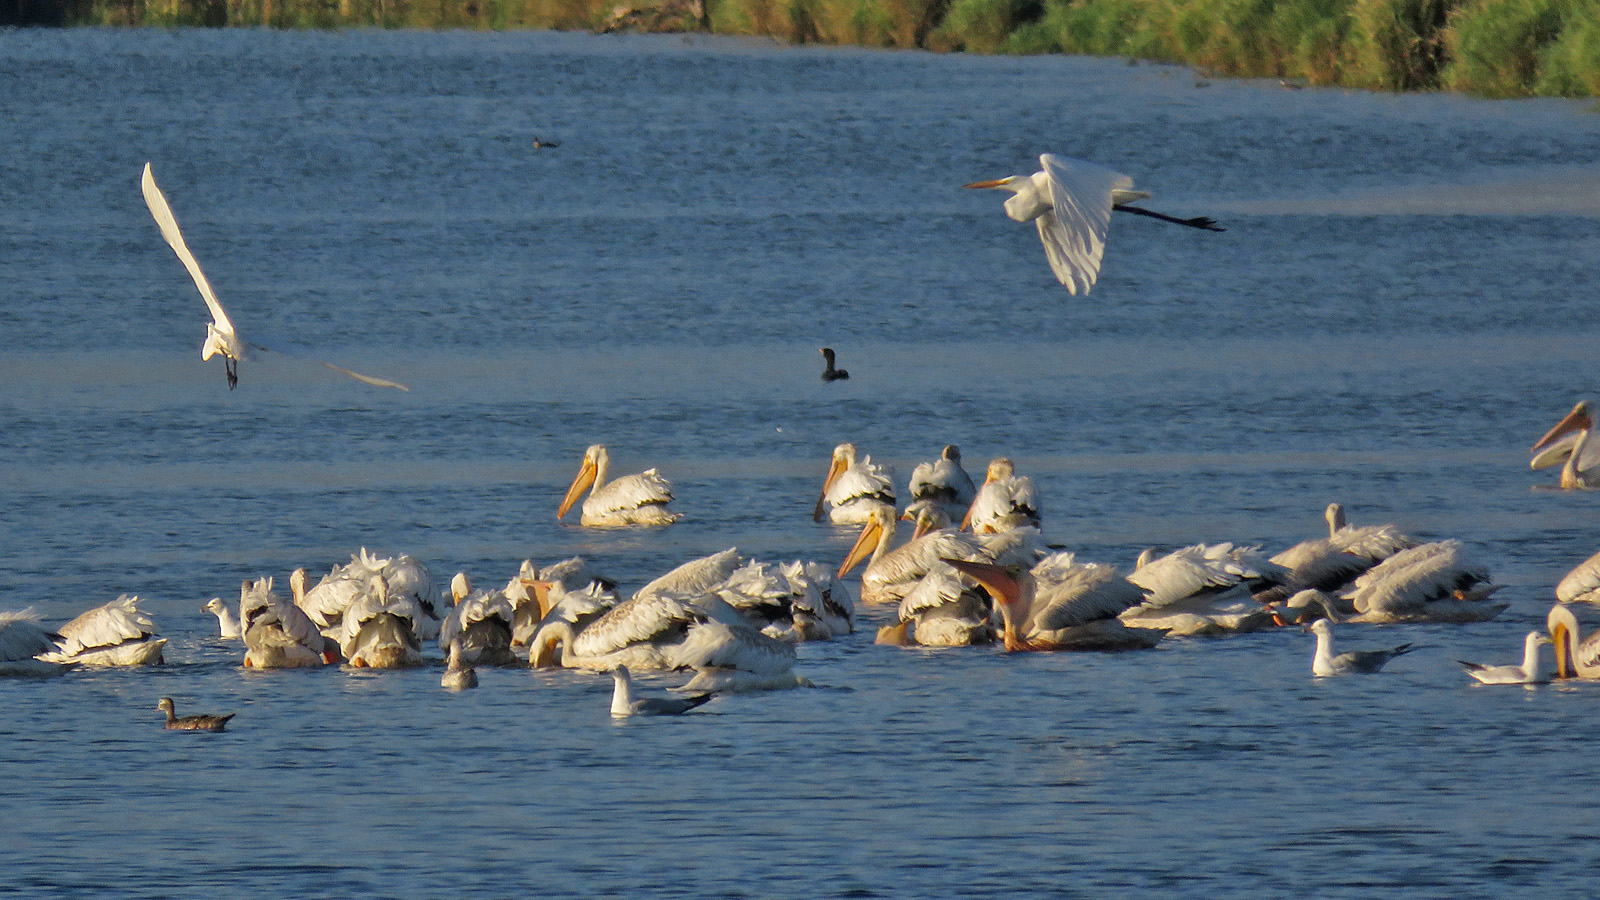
(539, 144)
(1530, 672)
(1576, 656)
(944, 482)
(1324, 662)
(227, 625)
(1329, 564)
(191, 723)
(853, 488)
(479, 625)
(221, 336)
(22, 639)
(830, 373)
(941, 610)
(892, 572)
(279, 634)
(1569, 444)
(1434, 582)
(459, 675)
(1061, 604)
(623, 703)
(1204, 589)
(1071, 202)
(117, 633)
(379, 629)
(630, 500)
(1005, 501)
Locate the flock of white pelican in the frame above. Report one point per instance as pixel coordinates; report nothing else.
(975, 569)
(734, 622)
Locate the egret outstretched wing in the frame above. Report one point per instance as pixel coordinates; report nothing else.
(1073, 230)
(169, 230)
(300, 354)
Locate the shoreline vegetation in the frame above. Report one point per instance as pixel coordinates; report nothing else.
(1491, 48)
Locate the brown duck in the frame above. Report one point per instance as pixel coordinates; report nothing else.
(191, 723)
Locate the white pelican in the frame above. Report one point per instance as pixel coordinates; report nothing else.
(118, 633)
(227, 625)
(1582, 584)
(576, 607)
(1005, 501)
(22, 639)
(1569, 443)
(941, 610)
(1203, 589)
(729, 657)
(1071, 202)
(1324, 662)
(854, 488)
(1530, 672)
(944, 482)
(697, 576)
(478, 625)
(830, 373)
(1576, 656)
(640, 633)
(379, 629)
(1331, 563)
(891, 573)
(1434, 582)
(278, 634)
(1062, 605)
(793, 602)
(221, 337)
(191, 723)
(630, 500)
(327, 602)
(624, 704)
(459, 675)
(530, 592)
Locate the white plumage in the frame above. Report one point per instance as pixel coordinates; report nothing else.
(1062, 605)
(1434, 582)
(853, 488)
(227, 625)
(630, 500)
(891, 573)
(221, 337)
(1204, 589)
(1582, 584)
(1530, 672)
(1004, 501)
(1071, 202)
(279, 634)
(379, 630)
(117, 633)
(943, 482)
(478, 626)
(1576, 656)
(1569, 445)
(1325, 662)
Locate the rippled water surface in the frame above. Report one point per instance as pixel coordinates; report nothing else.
(1402, 302)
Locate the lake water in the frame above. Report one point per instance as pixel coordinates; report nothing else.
(1403, 301)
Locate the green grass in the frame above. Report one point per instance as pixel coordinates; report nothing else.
(1497, 48)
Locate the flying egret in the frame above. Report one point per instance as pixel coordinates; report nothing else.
(221, 337)
(1071, 202)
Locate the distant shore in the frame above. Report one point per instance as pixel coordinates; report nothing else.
(1491, 48)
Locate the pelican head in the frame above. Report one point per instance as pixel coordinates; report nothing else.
(1562, 626)
(1577, 420)
(929, 518)
(595, 461)
(460, 587)
(999, 468)
(844, 456)
(952, 453)
(1335, 516)
(878, 530)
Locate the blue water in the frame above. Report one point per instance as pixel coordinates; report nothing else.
(1370, 329)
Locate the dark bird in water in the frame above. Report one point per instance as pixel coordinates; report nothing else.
(623, 703)
(191, 723)
(830, 373)
(537, 144)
